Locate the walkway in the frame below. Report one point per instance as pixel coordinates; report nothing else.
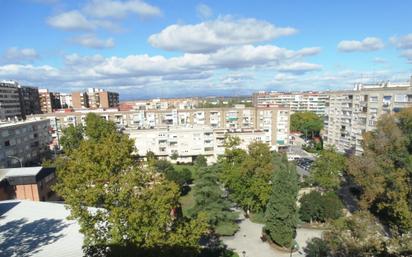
(248, 239)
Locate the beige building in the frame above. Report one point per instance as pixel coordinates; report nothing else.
(268, 124)
(297, 101)
(49, 101)
(349, 114)
(80, 100)
(24, 141)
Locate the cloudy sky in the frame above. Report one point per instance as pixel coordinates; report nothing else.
(186, 48)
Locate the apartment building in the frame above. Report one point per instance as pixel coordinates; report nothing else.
(349, 114)
(10, 106)
(108, 99)
(165, 103)
(80, 100)
(29, 100)
(267, 124)
(297, 101)
(66, 100)
(49, 101)
(23, 142)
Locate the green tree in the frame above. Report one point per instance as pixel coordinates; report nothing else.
(308, 123)
(97, 127)
(174, 156)
(327, 169)
(281, 212)
(247, 175)
(71, 138)
(209, 199)
(200, 161)
(118, 202)
(317, 207)
(317, 247)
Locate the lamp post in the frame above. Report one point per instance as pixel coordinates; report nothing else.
(16, 158)
(295, 246)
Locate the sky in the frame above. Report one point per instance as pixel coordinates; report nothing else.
(171, 48)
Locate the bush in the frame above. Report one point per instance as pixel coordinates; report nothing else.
(317, 207)
(316, 247)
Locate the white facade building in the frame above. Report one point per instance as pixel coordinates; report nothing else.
(349, 114)
(296, 101)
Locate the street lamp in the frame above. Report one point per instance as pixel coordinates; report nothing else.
(16, 158)
(295, 246)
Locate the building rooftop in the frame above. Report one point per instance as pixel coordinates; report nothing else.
(21, 122)
(21, 172)
(38, 229)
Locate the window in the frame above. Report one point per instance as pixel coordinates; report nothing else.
(7, 143)
(401, 98)
(373, 99)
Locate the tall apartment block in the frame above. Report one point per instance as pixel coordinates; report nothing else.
(80, 100)
(66, 100)
(95, 98)
(49, 101)
(29, 100)
(349, 114)
(298, 102)
(24, 140)
(10, 106)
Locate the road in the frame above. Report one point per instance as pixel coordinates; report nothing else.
(248, 239)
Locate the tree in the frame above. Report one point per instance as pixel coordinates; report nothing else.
(97, 127)
(209, 199)
(281, 212)
(317, 207)
(327, 169)
(174, 156)
(247, 175)
(120, 203)
(71, 138)
(316, 247)
(384, 172)
(200, 161)
(306, 122)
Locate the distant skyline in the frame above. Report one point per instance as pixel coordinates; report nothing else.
(144, 49)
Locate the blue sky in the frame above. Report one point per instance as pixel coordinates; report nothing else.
(186, 48)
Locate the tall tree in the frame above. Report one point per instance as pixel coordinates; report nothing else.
(71, 138)
(97, 127)
(209, 199)
(308, 123)
(281, 212)
(117, 202)
(327, 170)
(384, 172)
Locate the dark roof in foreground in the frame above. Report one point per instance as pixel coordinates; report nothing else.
(38, 229)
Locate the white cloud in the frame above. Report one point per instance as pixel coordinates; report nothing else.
(210, 36)
(407, 54)
(403, 42)
(161, 74)
(120, 9)
(92, 41)
(72, 20)
(204, 11)
(299, 67)
(366, 45)
(17, 55)
(379, 60)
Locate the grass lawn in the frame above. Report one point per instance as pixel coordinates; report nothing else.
(187, 202)
(227, 229)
